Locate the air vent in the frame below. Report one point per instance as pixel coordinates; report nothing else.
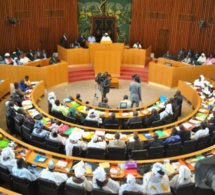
(22, 14)
(55, 13)
(187, 18)
(154, 15)
(211, 20)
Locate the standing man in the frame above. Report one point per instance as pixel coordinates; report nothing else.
(105, 85)
(135, 92)
(63, 40)
(82, 40)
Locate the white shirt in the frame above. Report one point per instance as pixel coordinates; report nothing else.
(23, 173)
(87, 185)
(201, 133)
(101, 145)
(69, 146)
(137, 46)
(91, 39)
(57, 177)
(111, 186)
(117, 144)
(11, 161)
(106, 38)
(126, 101)
(59, 139)
(174, 183)
(132, 188)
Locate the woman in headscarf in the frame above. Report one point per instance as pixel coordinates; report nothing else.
(100, 181)
(131, 185)
(200, 82)
(157, 181)
(93, 115)
(73, 112)
(80, 180)
(96, 143)
(184, 177)
(8, 158)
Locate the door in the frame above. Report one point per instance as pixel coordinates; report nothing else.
(163, 42)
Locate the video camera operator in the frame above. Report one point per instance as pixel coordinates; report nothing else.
(105, 84)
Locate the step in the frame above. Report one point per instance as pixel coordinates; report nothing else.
(81, 73)
(81, 68)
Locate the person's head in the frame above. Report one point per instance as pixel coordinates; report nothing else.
(51, 165)
(178, 92)
(106, 34)
(117, 136)
(212, 120)
(100, 176)
(125, 97)
(171, 100)
(105, 100)
(21, 111)
(20, 163)
(181, 127)
(137, 79)
(16, 85)
(174, 131)
(155, 136)
(154, 111)
(135, 113)
(79, 172)
(201, 78)
(167, 52)
(91, 113)
(26, 77)
(113, 115)
(11, 104)
(136, 137)
(78, 96)
(54, 134)
(64, 34)
(203, 125)
(57, 102)
(7, 55)
(130, 179)
(158, 170)
(133, 76)
(94, 138)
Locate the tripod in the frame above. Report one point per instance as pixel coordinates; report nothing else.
(96, 94)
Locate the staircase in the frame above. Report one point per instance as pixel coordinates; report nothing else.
(128, 71)
(81, 73)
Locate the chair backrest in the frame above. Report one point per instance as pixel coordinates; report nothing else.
(135, 125)
(74, 190)
(114, 153)
(132, 193)
(95, 153)
(76, 151)
(4, 173)
(203, 142)
(212, 138)
(90, 123)
(188, 146)
(111, 126)
(53, 146)
(156, 123)
(156, 152)
(168, 119)
(173, 149)
(186, 189)
(70, 119)
(139, 154)
(58, 114)
(101, 192)
(38, 141)
(26, 133)
(123, 105)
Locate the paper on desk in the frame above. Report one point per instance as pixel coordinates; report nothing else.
(122, 136)
(196, 122)
(124, 114)
(109, 136)
(187, 125)
(61, 164)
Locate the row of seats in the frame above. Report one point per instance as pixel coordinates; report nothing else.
(47, 187)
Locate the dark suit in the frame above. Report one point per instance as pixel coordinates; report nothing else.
(154, 143)
(136, 145)
(81, 40)
(211, 127)
(63, 41)
(148, 121)
(132, 120)
(30, 55)
(53, 60)
(111, 121)
(105, 87)
(185, 135)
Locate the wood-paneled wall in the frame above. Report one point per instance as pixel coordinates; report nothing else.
(164, 24)
(41, 24)
(179, 19)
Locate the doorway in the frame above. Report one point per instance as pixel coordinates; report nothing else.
(163, 42)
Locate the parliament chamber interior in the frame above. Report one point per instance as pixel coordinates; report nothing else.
(107, 97)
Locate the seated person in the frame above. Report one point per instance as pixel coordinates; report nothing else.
(125, 103)
(24, 59)
(93, 115)
(106, 37)
(8, 59)
(183, 177)
(156, 181)
(137, 45)
(130, 185)
(155, 143)
(208, 92)
(135, 144)
(44, 54)
(181, 52)
(74, 113)
(75, 44)
(18, 91)
(60, 108)
(184, 135)
(116, 143)
(51, 98)
(210, 60)
(91, 39)
(80, 180)
(55, 126)
(8, 158)
(147, 121)
(2, 61)
(200, 82)
(74, 140)
(187, 60)
(201, 60)
(52, 175)
(167, 55)
(111, 120)
(95, 143)
(104, 103)
(23, 86)
(203, 131)
(101, 181)
(173, 138)
(21, 171)
(38, 128)
(54, 59)
(211, 125)
(57, 137)
(78, 97)
(168, 109)
(27, 80)
(135, 118)
(82, 40)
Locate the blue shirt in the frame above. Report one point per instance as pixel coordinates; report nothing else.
(172, 139)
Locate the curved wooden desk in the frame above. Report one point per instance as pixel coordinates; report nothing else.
(187, 91)
(5, 191)
(4, 88)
